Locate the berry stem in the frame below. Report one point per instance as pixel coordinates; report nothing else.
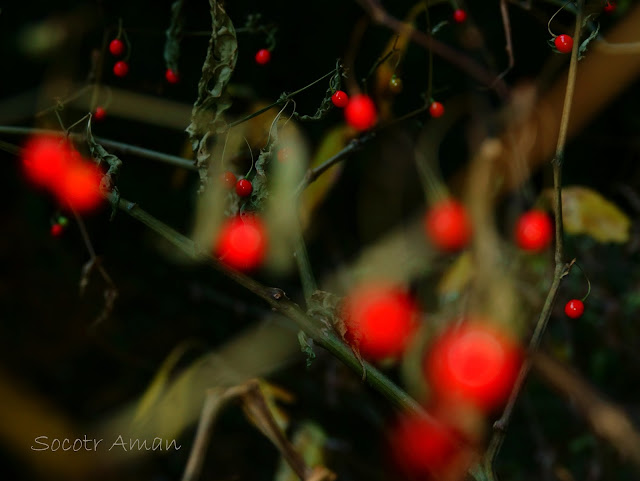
(560, 271)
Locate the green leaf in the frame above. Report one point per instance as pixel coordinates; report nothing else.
(212, 101)
(174, 36)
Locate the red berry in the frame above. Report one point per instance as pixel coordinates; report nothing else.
(564, 43)
(423, 447)
(436, 109)
(45, 160)
(610, 7)
(459, 16)
(244, 188)
(121, 68)
(474, 364)
(340, 99)
(171, 76)
(229, 180)
(116, 47)
(56, 230)
(380, 320)
(99, 114)
(361, 112)
(574, 308)
(79, 187)
(242, 242)
(534, 230)
(263, 56)
(448, 226)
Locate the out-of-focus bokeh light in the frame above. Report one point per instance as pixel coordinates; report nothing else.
(380, 319)
(45, 160)
(425, 448)
(241, 243)
(475, 364)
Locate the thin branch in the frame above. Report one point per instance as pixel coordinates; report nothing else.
(561, 268)
(506, 22)
(119, 146)
(462, 62)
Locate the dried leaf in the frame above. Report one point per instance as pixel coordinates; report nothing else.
(586, 212)
(326, 105)
(212, 101)
(174, 36)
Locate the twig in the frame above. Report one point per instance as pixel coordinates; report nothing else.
(464, 63)
(313, 174)
(120, 146)
(561, 268)
(280, 303)
(504, 12)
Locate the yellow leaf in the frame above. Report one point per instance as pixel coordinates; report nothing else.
(457, 276)
(586, 212)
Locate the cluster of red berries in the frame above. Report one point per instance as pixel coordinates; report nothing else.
(243, 187)
(121, 67)
(52, 163)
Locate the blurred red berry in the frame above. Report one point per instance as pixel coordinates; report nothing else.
(229, 180)
(564, 43)
(56, 230)
(241, 243)
(574, 308)
(380, 320)
(171, 76)
(474, 364)
(448, 226)
(263, 56)
(79, 187)
(610, 7)
(360, 112)
(45, 160)
(436, 109)
(534, 231)
(340, 99)
(121, 68)
(100, 114)
(423, 447)
(116, 47)
(459, 16)
(244, 188)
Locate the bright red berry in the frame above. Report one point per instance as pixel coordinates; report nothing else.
(436, 109)
(459, 16)
(100, 114)
(361, 112)
(574, 308)
(229, 180)
(244, 188)
(474, 364)
(340, 99)
(448, 226)
(564, 43)
(263, 56)
(610, 7)
(171, 76)
(241, 243)
(56, 230)
(116, 47)
(380, 320)
(534, 230)
(121, 68)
